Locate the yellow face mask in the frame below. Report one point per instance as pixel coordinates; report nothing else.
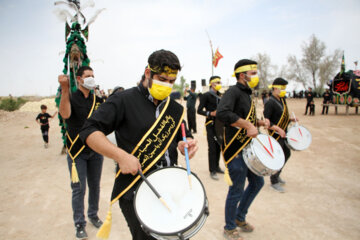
(254, 81)
(282, 93)
(160, 90)
(218, 87)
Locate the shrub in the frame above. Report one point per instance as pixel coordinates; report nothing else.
(11, 104)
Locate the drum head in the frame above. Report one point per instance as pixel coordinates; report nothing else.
(274, 163)
(299, 138)
(187, 205)
(112, 138)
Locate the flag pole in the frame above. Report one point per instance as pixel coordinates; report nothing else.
(212, 54)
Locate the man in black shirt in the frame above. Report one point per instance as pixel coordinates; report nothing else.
(237, 111)
(43, 120)
(85, 165)
(133, 114)
(209, 102)
(327, 99)
(276, 111)
(309, 101)
(190, 96)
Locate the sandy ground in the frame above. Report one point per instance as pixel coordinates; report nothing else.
(322, 199)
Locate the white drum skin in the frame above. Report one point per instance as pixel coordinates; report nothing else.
(112, 138)
(259, 160)
(189, 207)
(298, 138)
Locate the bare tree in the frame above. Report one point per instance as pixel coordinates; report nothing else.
(315, 67)
(328, 67)
(295, 71)
(313, 54)
(265, 69)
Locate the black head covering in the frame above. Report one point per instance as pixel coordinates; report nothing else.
(280, 81)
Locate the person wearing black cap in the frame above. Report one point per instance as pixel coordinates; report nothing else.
(207, 107)
(148, 135)
(310, 102)
(327, 99)
(276, 111)
(237, 111)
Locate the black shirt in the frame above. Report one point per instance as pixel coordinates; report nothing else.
(80, 109)
(130, 114)
(273, 110)
(44, 119)
(326, 97)
(309, 97)
(235, 104)
(208, 101)
(190, 100)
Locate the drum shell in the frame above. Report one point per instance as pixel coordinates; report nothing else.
(261, 162)
(185, 233)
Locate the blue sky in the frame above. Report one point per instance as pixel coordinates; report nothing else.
(127, 32)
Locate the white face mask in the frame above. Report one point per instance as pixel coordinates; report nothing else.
(89, 83)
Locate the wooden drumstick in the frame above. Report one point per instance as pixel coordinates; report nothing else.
(186, 153)
(154, 190)
(297, 124)
(264, 147)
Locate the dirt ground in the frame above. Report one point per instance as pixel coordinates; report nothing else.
(322, 199)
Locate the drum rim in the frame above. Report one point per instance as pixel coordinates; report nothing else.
(181, 230)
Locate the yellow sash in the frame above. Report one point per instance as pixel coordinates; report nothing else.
(239, 140)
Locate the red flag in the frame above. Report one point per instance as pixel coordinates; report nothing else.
(217, 57)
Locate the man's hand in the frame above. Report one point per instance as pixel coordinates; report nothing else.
(191, 145)
(64, 81)
(251, 131)
(213, 113)
(281, 132)
(128, 163)
(265, 123)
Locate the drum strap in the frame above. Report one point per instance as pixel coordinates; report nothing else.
(239, 140)
(76, 146)
(152, 146)
(208, 121)
(283, 122)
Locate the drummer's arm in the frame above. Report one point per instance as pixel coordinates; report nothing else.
(265, 123)
(102, 122)
(251, 130)
(101, 144)
(278, 129)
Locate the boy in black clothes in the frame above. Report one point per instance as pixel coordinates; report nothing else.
(43, 120)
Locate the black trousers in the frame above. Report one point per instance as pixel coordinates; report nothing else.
(213, 148)
(312, 108)
(127, 208)
(191, 116)
(325, 108)
(275, 178)
(45, 134)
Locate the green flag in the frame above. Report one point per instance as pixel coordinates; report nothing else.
(342, 69)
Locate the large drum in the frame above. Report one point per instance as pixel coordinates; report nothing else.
(189, 206)
(298, 138)
(259, 160)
